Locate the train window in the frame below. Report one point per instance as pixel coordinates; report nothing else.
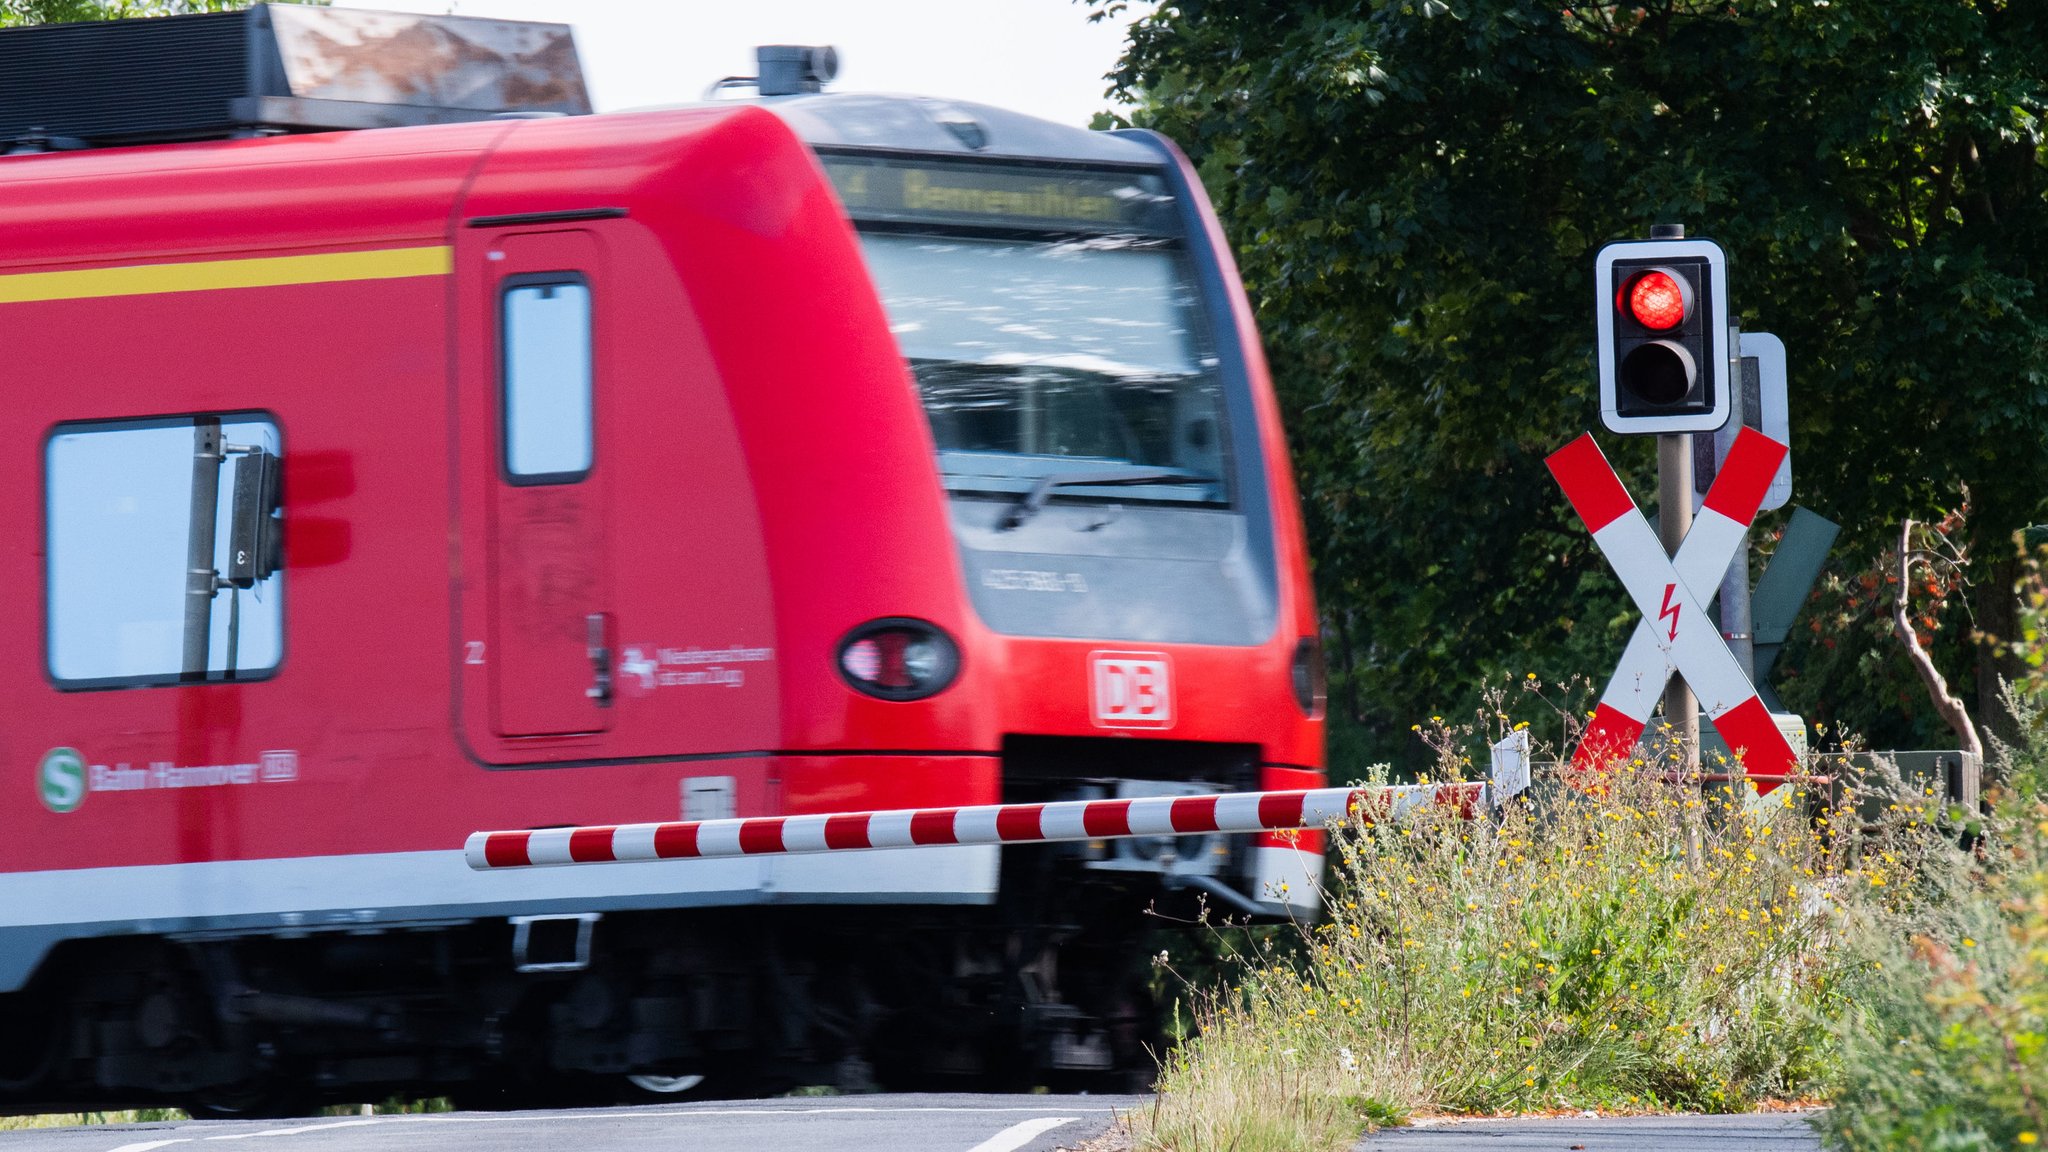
(545, 338)
(122, 521)
(1040, 356)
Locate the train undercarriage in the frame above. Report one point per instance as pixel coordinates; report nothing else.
(587, 1009)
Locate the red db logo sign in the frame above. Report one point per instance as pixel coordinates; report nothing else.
(1131, 689)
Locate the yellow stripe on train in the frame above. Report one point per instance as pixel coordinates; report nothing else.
(208, 275)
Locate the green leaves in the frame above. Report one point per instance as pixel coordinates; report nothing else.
(18, 12)
(1416, 192)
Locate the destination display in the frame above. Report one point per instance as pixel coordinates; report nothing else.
(888, 189)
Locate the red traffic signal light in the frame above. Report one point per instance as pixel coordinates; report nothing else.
(1663, 336)
(1658, 299)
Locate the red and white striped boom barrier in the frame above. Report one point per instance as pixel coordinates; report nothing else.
(991, 823)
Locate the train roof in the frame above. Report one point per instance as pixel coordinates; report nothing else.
(363, 187)
(832, 120)
(282, 68)
(174, 150)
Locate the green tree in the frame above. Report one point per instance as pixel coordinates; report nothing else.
(18, 12)
(1416, 189)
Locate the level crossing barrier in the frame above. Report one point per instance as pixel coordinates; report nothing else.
(1068, 820)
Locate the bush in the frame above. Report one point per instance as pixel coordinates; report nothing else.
(1634, 945)
(1946, 1045)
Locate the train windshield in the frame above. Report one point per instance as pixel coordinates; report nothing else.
(1044, 358)
(1051, 319)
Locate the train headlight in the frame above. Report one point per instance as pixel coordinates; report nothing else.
(1311, 676)
(898, 658)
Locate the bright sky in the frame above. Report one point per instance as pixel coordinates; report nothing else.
(1040, 57)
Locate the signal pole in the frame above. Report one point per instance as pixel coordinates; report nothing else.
(1674, 520)
(199, 574)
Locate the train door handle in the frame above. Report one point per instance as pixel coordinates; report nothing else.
(600, 690)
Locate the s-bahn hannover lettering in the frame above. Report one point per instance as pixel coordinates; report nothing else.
(66, 778)
(166, 774)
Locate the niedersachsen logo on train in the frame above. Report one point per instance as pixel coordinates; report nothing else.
(65, 778)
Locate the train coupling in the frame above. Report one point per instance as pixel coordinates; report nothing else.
(1193, 854)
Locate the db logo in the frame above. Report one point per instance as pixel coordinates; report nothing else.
(1131, 689)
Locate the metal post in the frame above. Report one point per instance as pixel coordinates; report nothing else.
(1674, 518)
(200, 579)
(1735, 615)
(234, 628)
(1735, 620)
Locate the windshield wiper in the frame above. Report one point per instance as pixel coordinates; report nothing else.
(1035, 499)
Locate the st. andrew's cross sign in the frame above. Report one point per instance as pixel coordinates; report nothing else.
(1674, 634)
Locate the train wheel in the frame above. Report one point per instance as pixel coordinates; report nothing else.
(269, 1099)
(664, 1089)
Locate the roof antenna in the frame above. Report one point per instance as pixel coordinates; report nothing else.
(793, 69)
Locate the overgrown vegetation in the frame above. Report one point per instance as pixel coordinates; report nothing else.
(1945, 1040)
(1635, 944)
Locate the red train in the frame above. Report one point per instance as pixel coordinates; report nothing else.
(808, 453)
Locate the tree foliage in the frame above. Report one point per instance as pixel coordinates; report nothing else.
(17, 12)
(1416, 189)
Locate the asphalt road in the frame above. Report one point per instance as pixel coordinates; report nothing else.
(919, 1123)
(1769, 1132)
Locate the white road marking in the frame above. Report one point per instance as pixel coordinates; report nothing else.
(675, 1113)
(1009, 1139)
(295, 1131)
(1019, 1134)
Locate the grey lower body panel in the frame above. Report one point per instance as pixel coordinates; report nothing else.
(373, 892)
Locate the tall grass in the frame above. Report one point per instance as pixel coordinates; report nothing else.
(1945, 1045)
(1637, 944)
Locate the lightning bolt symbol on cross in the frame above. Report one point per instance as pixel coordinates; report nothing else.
(1670, 609)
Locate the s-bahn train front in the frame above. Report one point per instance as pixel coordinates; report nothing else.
(1115, 476)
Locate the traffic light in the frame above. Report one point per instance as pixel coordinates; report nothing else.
(1663, 343)
(255, 530)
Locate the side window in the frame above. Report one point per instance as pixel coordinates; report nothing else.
(130, 505)
(544, 326)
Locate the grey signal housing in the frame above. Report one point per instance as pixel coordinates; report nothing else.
(255, 531)
(1687, 388)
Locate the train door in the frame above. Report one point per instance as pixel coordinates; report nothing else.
(613, 597)
(546, 644)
